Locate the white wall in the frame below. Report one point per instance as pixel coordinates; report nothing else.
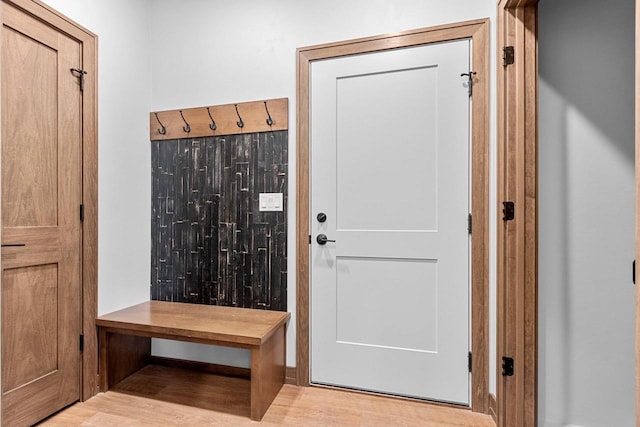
(124, 155)
(586, 230)
(166, 54)
(218, 52)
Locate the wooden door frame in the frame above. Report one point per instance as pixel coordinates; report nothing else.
(517, 269)
(478, 32)
(89, 250)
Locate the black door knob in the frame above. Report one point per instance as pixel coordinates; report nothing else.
(322, 217)
(322, 239)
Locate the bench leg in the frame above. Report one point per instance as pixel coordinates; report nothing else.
(103, 361)
(120, 356)
(268, 370)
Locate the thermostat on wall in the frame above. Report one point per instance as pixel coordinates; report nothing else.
(271, 202)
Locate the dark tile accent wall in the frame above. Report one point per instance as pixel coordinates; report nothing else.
(209, 242)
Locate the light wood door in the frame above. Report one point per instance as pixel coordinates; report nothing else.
(390, 179)
(41, 230)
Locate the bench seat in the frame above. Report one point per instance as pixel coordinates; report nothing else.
(125, 344)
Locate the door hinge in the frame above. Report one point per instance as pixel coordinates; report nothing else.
(508, 56)
(508, 211)
(309, 238)
(81, 213)
(81, 342)
(633, 271)
(80, 74)
(469, 76)
(469, 224)
(507, 366)
(470, 362)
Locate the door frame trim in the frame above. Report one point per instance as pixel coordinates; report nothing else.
(517, 257)
(89, 249)
(478, 32)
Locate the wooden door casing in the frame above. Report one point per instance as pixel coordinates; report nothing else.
(478, 31)
(517, 242)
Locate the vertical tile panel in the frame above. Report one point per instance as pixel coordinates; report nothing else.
(210, 242)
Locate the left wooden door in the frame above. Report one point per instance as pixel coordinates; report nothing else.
(41, 229)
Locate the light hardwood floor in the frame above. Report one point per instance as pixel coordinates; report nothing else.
(162, 396)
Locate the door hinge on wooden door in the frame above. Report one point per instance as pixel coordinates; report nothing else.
(507, 366)
(508, 211)
(80, 74)
(81, 213)
(508, 56)
(469, 224)
(81, 342)
(470, 362)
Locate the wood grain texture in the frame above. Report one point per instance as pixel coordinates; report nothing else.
(263, 332)
(50, 121)
(208, 368)
(303, 233)
(493, 408)
(506, 306)
(54, 18)
(254, 117)
(416, 37)
(480, 214)
(501, 90)
(513, 4)
(121, 356)
(291, 376)
(478, 32)
(90, 202)
(169, 397)
(517, 239)
(231, 326)
(530, 237)
(29, 324)
(89, 108)
(30, 128)
(268, 370)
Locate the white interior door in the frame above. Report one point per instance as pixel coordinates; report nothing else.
(390, 171)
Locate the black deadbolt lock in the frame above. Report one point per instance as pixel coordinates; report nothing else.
(322, 217)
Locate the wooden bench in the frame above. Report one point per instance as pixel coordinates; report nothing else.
(125, 341)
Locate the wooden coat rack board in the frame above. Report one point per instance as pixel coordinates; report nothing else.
(215, 120)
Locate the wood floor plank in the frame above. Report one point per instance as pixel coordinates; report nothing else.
(164, 396)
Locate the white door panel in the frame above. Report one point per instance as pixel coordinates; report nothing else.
(370, 109)
(390, 169)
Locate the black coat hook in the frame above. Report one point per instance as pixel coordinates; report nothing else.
(240, 123)
(269, 119)
(186, 127)
(212, 125)
(163, 129)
